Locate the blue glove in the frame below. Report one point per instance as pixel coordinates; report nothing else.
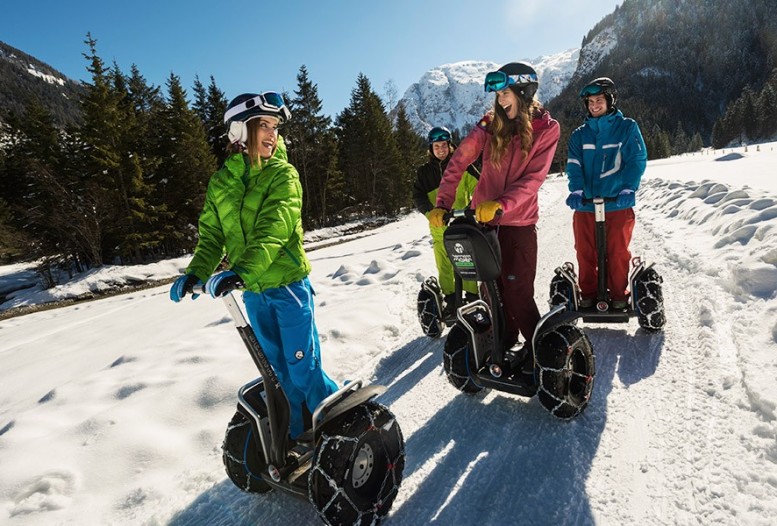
(575, 200)
(625, 199)
(222, 283)
(183, 286)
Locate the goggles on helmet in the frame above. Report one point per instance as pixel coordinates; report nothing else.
(268, 102)
(438, 134)
(499, 80)
(591, 89)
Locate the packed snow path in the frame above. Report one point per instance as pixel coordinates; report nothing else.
(113, 411)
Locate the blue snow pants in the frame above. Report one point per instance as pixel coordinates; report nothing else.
(286, 329)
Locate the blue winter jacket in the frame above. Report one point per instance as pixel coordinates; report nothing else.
(606, 155)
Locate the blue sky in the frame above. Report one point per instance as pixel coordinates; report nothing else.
(260, 45)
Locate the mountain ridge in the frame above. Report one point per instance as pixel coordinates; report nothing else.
(23, 76)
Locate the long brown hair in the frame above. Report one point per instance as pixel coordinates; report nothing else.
(251, 147)
(503, 129)
(252, 142)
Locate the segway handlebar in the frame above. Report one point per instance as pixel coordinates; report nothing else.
(592, 200)
(199, 288)
(465, 212)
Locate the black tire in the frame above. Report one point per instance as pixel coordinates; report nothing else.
(564, 371)
(357, 466)
(428, 314)
(242, 458)
(561, 292)
(458, 360)
(650, 300)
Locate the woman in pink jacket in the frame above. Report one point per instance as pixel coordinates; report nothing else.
(517, 139)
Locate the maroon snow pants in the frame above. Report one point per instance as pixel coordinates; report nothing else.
(516, 284)
(619, 227)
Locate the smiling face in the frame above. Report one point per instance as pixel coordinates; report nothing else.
(597, 105)
(508, 100)
(440, 149)
(266, 135)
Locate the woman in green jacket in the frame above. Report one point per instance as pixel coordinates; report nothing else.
(252, 215)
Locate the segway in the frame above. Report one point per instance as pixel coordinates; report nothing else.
(349, 461)
(646, 300)
(560, 370)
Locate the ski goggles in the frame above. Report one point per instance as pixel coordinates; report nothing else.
(499, 80)
(439, 135)
(593, 89)
(269, 103)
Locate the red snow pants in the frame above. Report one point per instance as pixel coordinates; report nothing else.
(619, 225)
(516, 283)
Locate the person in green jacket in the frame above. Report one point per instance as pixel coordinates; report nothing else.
(252, 215)
(427, 183)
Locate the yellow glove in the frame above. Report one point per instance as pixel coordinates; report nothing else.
(486, 211)
(436, 216)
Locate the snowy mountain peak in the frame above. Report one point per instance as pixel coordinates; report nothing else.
(452, 95)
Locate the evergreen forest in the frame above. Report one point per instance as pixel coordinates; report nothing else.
(125, 183)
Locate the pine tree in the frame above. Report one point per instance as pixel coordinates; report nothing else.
(679, 140)
(412, 152)
(310, 146)
(186, 163)
(749, 116)
(101, 159)
(32, 146)
(696, 143)
(369, 158)
(767, 111)
(210, 105)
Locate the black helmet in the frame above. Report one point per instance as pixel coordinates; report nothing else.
(601, 85)
(519, 76)
(249, 106)
(438, 133)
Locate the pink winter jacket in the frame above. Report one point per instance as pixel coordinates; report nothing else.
(516, 183)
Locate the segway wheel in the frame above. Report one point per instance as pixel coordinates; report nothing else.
(458, 360)
(357, 466)
(561, 292)
(428, 314)
(242, 458)
(564, 371)
(650, 300)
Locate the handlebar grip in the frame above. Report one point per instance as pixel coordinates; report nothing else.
(592, 200)
(457, 213)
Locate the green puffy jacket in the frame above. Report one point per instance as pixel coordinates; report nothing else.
(253, 215)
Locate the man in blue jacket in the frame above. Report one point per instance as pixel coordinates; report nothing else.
(607, 158)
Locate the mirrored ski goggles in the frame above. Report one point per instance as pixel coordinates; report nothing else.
(439, 135)
(591, 90)
(499, 80)
(269, 102)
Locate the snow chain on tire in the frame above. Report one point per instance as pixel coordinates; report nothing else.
(650, 300)
(561, 292)
(457, 360)
(357, 466)
(242, 459)
(564, 371)
(428, 314)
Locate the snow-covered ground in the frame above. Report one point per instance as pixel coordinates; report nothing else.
(113, 411)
